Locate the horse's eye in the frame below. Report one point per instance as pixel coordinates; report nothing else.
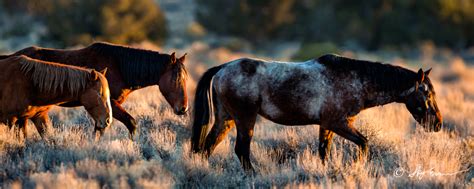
(419, 109)
(423, 88)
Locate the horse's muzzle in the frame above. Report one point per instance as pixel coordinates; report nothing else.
(433, 127)
(437, 127)
(98, 132)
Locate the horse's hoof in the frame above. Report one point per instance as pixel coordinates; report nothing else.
(132, 134)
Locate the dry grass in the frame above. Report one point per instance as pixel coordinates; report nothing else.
(283, 156)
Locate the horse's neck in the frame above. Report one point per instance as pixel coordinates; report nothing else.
(142, 79)
(143, 82)
(379, 98)
(44, 99)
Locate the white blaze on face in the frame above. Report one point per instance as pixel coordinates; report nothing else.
(107, 95)
(109, 105)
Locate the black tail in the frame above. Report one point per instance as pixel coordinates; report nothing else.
(202, 108)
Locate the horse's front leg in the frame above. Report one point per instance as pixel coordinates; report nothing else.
(123, 116)
(344, 128)
(42, 124)
(325, 141)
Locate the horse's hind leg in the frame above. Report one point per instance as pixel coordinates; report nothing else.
(245, 126)
(346, 130)
(222, 125)
(325, 140)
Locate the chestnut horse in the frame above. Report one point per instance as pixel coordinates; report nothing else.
(29, 87)
(129, 69)
(329, 91)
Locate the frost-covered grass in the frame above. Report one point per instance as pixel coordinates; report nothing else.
(283, 156)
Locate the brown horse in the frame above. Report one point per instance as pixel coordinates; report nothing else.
(329, 91)
(29, 87)
(129, 69)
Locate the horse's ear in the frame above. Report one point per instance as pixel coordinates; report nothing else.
(421, 75)
(427, 72)
(182, 58)
(173, 57)
(94, 75)
(104, 71)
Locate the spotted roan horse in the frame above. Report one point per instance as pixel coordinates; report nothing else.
(329, 91)
(129, 69)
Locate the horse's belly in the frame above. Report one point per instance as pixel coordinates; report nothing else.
(292, 120)
(289, 114)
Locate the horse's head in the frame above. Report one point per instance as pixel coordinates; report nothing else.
(96, 100)
(420, 101)
(173, 85)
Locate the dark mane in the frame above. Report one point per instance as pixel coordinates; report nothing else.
(384, 77)
(138, 66)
